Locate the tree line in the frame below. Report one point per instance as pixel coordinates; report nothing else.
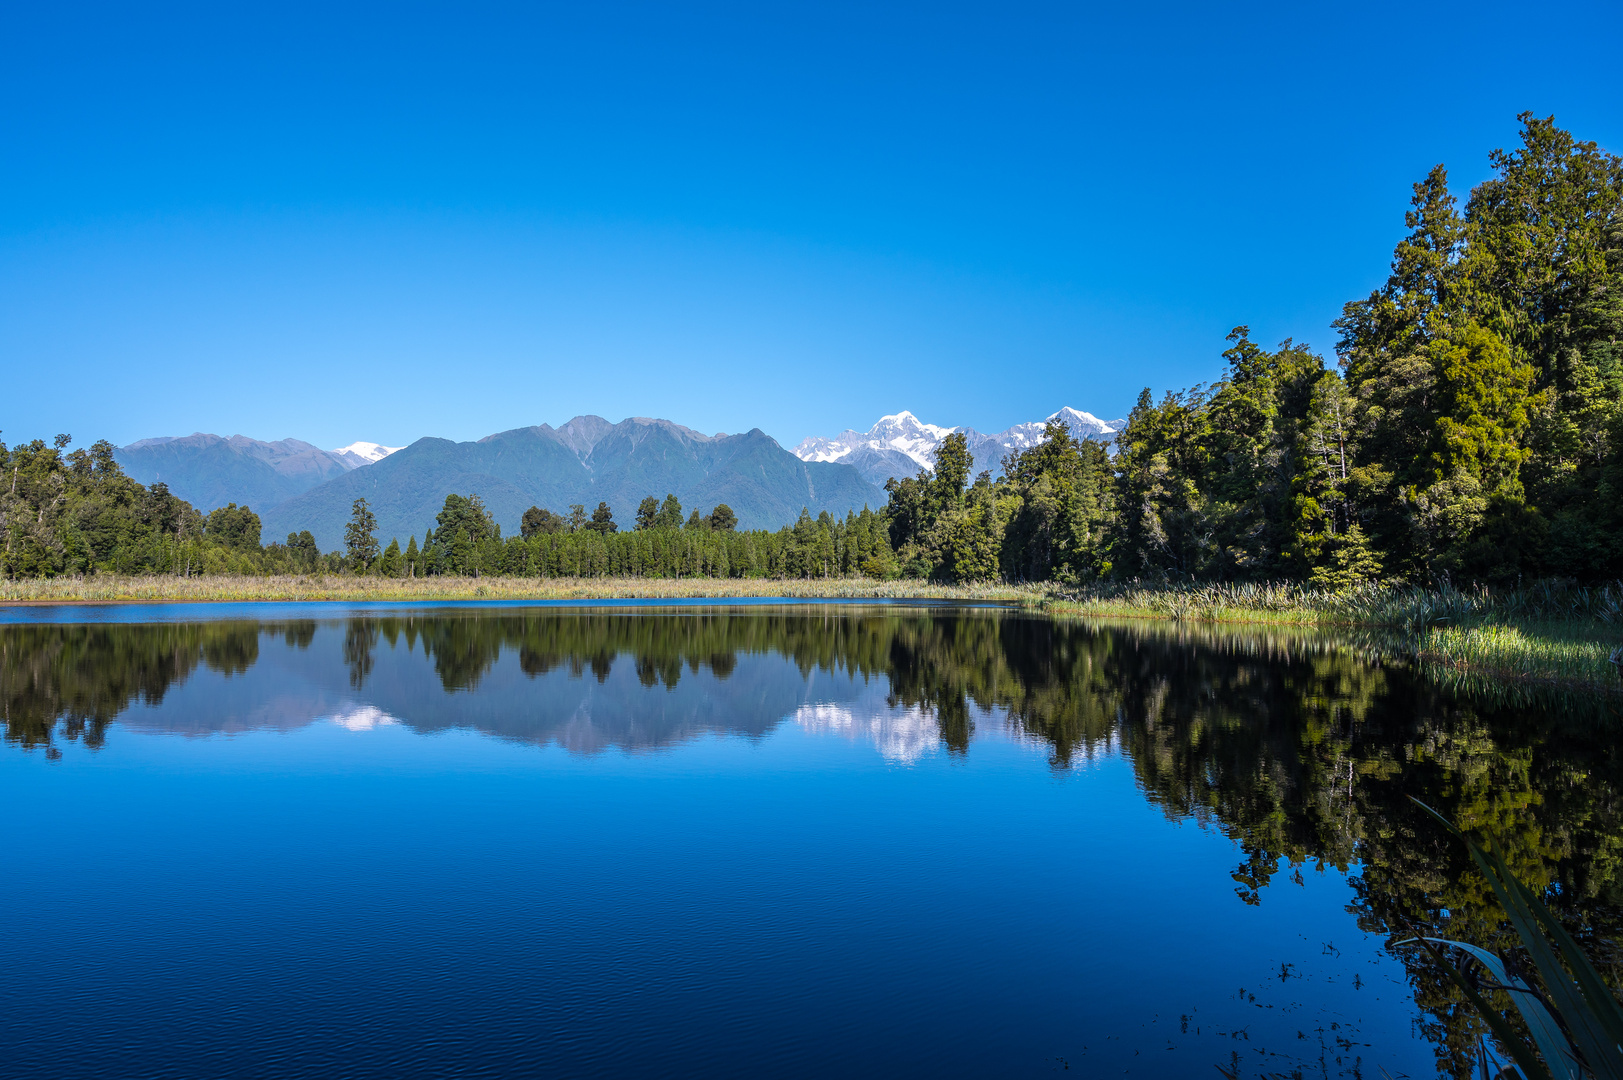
(1471, 425)
(467, 540)
(68, 512)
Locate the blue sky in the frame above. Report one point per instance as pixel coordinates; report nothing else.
(345, 222)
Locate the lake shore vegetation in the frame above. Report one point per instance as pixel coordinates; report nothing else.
(346, 587)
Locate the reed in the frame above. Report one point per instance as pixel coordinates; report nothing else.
(1573, 1021)
(1549, 631)
(1543, 633)
(108, 588)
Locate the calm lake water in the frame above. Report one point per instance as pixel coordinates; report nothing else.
(752, 840)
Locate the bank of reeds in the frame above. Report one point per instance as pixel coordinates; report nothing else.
(109, 588)
(1544, 632)
(1547, 632)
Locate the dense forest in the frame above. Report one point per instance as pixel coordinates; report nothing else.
(1470, 425)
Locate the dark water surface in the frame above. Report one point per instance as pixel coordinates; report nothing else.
(752, 840)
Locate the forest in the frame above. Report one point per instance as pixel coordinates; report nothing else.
(1469, 426)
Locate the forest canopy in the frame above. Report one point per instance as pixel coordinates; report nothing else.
(1469, 425)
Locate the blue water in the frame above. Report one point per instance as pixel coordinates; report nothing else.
(280, 870)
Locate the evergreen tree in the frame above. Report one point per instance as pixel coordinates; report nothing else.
(602, 520)
(392, 563)
(359, 541)
(952, 464)
(537, 521)
(647, 513)
(722, 518)
(302, 550)
(670, 514)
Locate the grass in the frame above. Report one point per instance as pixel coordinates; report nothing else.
(107, 588)
(1543, 633)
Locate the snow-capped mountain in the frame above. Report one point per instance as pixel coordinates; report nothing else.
(1083, 425)
(902, 444)
(357, 454)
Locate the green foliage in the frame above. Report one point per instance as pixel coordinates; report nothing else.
(392, 563)
(303, 555)
(669, 515)
(360, 543)
(603, 520)
(723, 518)
(77, 513)
(465, 539)
(1474, 429)
(1239, 481)
(1486, 372)
(235, 527)
(538, 520)
(1344, 561)
(1575, 1024)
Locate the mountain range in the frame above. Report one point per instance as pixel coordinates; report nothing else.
(295, 485)
(209, 471)
(902, 444)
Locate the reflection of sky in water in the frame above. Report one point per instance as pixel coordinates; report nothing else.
(361, 718)
(802, 880)
(287, 688)
(584, 710)
(902, 734)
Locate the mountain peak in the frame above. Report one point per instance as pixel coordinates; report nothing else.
(1077, 418)
(901, 443)
(357, 454)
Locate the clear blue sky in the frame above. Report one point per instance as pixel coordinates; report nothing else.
(339, 222)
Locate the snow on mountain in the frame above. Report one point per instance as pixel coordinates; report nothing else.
(1083, 425)
(357, 454)
(887, 448)
(902, 432)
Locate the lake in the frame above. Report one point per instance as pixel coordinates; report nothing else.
(302, 840)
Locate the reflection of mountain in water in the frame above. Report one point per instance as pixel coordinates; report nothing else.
(1300, 748)
(585, 682)
(901, 733)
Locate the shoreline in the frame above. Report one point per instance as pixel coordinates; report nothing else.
(1482, 635)
(108, 589)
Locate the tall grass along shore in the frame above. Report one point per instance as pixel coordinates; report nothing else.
(1547, 632)
(1543, 633)
(110, 588)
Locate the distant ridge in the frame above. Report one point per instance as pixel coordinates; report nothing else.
(901, 444)
(587, 460)
(209, 471)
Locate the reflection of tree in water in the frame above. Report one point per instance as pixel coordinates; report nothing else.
(360, 638)
(83, 677)
(1307, 754)
(1297, 748)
